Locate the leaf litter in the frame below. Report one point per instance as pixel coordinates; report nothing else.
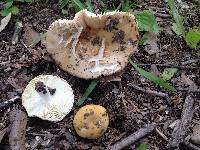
(148, 107)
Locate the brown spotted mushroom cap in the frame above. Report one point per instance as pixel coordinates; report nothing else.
(91, 121)
(91, 45)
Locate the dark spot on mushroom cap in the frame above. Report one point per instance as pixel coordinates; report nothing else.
(111, 24)
(40, 87)
(132, 42)
(104, 114)
(96, 41)
(86, 115)
(122, 48)
(98, 124)
(51, 91)
(118, 36)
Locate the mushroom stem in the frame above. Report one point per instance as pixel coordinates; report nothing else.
(44, 91)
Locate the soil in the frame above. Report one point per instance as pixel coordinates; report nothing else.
(128, 109)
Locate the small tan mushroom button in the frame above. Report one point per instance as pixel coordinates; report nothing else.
(91, 121)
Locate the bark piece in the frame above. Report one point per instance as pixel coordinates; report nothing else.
(18, 120)
(182, 127)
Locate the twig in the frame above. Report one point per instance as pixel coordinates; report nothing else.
(191, 146)
(171, 65)
(133, 137)
(6, 104)
(18, 121)
(160, 94)
(161, 134)
(186, 89)
(17, 32)
(45, 134)
(182, 127)
(190, 61)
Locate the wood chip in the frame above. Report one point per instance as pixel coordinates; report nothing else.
(182, 127)
(2, 133)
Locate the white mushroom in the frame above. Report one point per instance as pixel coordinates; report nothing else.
(48, 97)
(91, 45)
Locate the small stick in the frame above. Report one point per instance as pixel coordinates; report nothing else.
(6, 104)
(182, 127)
(186, 89)
(17, 32)
(161, 134)
(132, 138)
(190, 61)
(171, 65)
(191, 146)
(160, 94)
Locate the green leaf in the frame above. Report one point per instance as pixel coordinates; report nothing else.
(9, 4)
(89, 5)
(28, 1)
(64, 12)
(14, 10)
(193, 38)
(63, 3)
(147, 21)
(21, 1)
(168, 73)
(126, 5)
(89, 90)
(142, 147)
(79, 4)
(152, 77)
(5, 12)
(178, 25)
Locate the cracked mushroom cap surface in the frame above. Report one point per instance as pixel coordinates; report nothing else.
(91, 121)
(48, 97)
(93, 45)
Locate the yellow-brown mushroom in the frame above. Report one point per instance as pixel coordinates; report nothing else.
(91, 45)
(91, 121)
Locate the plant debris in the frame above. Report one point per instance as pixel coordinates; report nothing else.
(18, 120)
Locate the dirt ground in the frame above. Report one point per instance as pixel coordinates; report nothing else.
(129, 109)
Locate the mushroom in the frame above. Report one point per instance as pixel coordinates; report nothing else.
(48, 97)
(90, 45)
(91, 121)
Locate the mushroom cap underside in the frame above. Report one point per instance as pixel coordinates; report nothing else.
(92, 45)
(52, 107)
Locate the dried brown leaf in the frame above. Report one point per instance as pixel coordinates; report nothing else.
(29, 36)
(2, 133)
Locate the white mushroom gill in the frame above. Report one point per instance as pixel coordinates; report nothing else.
(48, 97)
(101, 67)
(75, 40)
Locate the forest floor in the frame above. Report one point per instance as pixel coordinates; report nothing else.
(129, 109)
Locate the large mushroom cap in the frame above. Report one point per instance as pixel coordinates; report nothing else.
(48, 97)
(92, 45)
(91, 121)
